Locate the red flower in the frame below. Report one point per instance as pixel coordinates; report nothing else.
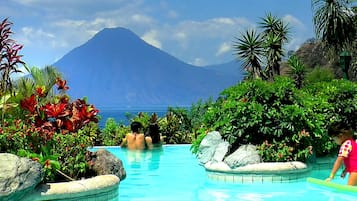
(61, 84)
(29, 104)
(40, 91)
(48, 164)
(55, 110)
(64, 99)
(68, 125)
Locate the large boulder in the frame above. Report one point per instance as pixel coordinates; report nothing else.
(105, 163)
(18, 176)
(220, 152)
(208, 145)
(244, 155)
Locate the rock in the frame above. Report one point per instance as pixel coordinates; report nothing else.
(221, 151)
(18, 176)
(105, 163)
(217, 166)
(208, 146)
(244, 155)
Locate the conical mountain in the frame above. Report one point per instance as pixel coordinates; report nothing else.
(116, 69)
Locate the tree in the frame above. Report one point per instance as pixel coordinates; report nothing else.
(275, 33)
(254, 48)
(334, 23)
(250, 48)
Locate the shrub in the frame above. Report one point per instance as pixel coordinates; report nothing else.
(176, 126)
(56, 132)
(284, 122)
(113, 133)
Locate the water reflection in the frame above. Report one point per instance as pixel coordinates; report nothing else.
(148, 159)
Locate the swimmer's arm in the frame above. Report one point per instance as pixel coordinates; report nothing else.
(336, 166)
(123, 143)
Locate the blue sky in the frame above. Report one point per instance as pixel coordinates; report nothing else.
(199, 32)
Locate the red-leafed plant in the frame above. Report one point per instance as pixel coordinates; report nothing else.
(60, 115)
(39, 124)
(54, 131)
(9, 62)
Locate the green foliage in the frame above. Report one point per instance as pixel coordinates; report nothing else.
(52, 129)
(176, 126)
(319, 74)
(285, 123)
(297, 70)
(72, 149)
(113, 133)
(340, 100)
(266, 46)
(48, 161)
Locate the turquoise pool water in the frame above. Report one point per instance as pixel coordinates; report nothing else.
(173, 174)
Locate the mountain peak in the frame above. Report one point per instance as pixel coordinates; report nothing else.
(116, 68)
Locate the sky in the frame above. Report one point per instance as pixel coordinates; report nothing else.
(198, 32)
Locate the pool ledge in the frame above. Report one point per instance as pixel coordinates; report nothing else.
(99, 188)
(262, 172)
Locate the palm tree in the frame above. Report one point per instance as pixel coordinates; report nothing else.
(275, 32)
(250, 49)
(334, 23)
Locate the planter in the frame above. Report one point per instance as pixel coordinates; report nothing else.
(99, 188)
(270, 172)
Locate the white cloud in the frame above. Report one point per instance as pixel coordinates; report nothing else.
(151, 38)
(224, 48)
(294, 22)
(224, 20)
(142, 19)
(198, 62)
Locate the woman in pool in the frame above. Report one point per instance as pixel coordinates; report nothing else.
(152, 136)
(343, 136)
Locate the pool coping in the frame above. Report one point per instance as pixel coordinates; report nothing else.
(99, 188)
(248, 174)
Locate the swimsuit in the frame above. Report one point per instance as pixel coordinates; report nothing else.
(348, 151)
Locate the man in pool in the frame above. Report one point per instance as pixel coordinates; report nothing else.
(136, 139)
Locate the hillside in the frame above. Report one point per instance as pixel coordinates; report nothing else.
(116, 68)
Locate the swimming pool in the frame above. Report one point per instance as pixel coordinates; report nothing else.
(173, 174)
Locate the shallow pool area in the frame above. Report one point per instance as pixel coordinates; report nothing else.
(172, 173)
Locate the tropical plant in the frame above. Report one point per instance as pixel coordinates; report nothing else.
(9, 62)
(113, 132)
(297, 70)
(255, 48)
(275, 33)
(334, 23)
(55, 129)
(176, 126)
(250, 48)
(320, 74)
(286, 123)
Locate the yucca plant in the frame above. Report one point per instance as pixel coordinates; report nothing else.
(297, 70)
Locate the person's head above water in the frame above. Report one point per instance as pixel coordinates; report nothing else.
(136, 127)
(154, 132)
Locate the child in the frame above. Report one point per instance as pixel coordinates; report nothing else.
(346, 155)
